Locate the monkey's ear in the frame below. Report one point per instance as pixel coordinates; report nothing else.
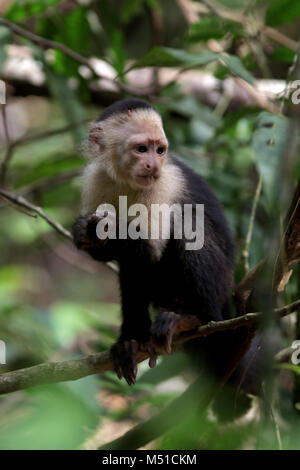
(95, 140)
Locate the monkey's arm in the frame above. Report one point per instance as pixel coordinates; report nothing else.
(133, 258)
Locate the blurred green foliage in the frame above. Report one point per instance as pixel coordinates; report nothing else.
(54, 303)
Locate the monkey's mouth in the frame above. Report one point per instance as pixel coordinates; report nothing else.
(145, 180)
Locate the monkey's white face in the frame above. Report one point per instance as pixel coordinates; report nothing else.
(133, 147)
(142, 150)
(144, 155)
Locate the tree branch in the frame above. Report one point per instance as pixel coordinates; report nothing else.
(52, 372)
(25, 204)
(22, 202)
(47, 43)
(195, 399)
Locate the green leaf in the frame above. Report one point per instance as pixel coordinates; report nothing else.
(214, 27)
(168, 57)
(269, 141)
(74, 32)
(282, 11)
(117, 52)
(59, 416)
(22, 9)
(236, 67)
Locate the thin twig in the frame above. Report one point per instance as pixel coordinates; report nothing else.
(27, 139)
(25, 204)
(47, 43)
(268, 31)
(251, 224)
(276, 425)
(22, 202)
(48, 183)
(9, 147)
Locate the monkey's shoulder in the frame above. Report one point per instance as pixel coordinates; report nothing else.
(197, 191)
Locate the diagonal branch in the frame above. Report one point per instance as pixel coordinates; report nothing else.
(25, 204)
(11, 145)
(47, 43)
(52, 372)
(22, 202)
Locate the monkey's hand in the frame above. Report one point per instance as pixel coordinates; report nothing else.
(124, 355)
(91, 235)
(85, 232)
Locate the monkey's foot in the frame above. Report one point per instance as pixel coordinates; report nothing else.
(163, 329)
(124, 356)
(166, 324)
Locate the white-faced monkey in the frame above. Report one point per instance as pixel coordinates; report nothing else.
(129, 157)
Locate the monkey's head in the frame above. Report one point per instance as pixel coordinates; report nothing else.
(129, 142)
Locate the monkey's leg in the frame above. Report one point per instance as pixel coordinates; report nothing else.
(166, 324)
(135, 284)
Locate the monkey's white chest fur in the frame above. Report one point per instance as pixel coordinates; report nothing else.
(99, 188)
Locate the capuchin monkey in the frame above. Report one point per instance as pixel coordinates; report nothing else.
(187, 287)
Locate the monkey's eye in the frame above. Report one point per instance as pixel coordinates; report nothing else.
(142, 148)
(160, 150)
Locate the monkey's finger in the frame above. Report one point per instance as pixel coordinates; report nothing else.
(152, 361)
(168, 346)
(129, 361)
(117, 367)
(119, 372)
(130, 373)
(153, 356)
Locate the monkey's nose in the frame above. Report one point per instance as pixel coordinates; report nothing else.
(151, 168)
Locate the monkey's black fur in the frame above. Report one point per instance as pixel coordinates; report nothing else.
(196, 282)
(123, 106)
(189, 283)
